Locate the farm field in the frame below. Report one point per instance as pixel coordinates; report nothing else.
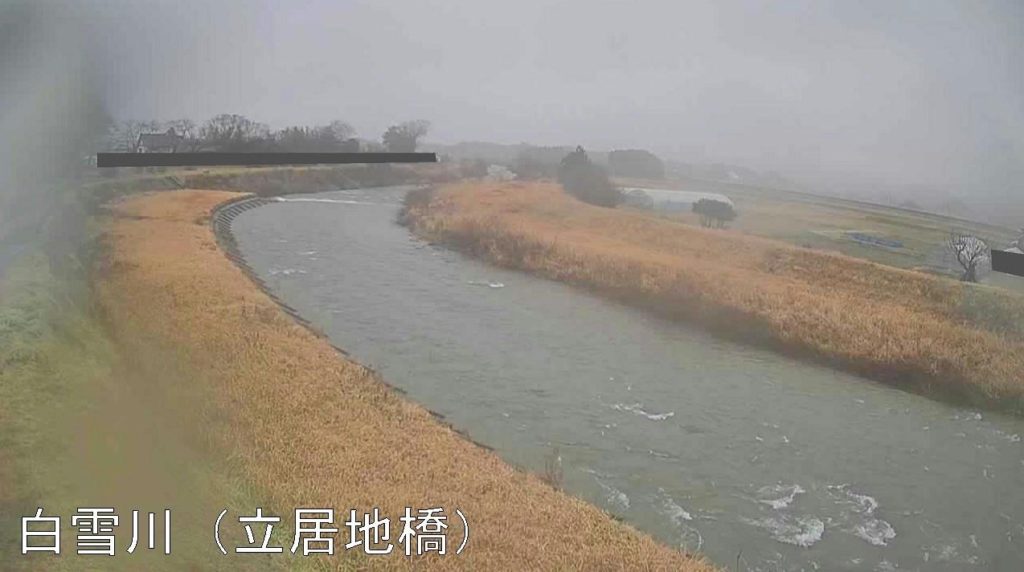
(827, 223)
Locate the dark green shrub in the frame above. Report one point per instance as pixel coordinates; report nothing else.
(586, 181)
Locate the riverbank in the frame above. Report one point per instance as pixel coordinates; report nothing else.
(301, 425)
(906, 328)
(80, 425)
(263, 181)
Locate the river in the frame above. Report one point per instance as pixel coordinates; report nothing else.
(754, 458)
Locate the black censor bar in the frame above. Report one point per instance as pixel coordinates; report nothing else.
(1008, 262)
(210, 159)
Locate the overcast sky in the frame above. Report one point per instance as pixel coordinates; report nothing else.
(925, 92)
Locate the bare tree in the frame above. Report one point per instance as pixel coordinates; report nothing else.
(295, 139)
(334, 136)
(125, 134)
(187, 129)
(230, 132)
(341, 130)
(969, 251)
(405, 136)
(121, 136)
(184, 127)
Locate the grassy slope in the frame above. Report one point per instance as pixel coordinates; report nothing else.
(903, 327)
(307, 427)
(84, 423)
(79, 426)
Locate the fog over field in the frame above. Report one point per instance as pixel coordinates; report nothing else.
(837, 95)
(606, 306)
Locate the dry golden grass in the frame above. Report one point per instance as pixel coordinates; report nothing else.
(899, 326)
(308, 428)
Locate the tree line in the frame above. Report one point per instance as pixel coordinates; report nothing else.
(233, 132)
(590, 183)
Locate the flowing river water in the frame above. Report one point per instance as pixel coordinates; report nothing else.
(760, 461)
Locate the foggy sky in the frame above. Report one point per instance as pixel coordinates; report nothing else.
(927, 92)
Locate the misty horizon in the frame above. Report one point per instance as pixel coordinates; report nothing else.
(903, 94)
(692, 284)
(911, 99)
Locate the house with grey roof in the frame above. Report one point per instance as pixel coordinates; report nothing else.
(168, 142)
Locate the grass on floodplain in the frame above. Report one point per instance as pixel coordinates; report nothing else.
(823, 223)
(908, 328)
(306, 427)
(85, 423)
(79, 427)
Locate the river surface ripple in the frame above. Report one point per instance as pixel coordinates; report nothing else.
(747, 455)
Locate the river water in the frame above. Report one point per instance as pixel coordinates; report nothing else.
(758, 460)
